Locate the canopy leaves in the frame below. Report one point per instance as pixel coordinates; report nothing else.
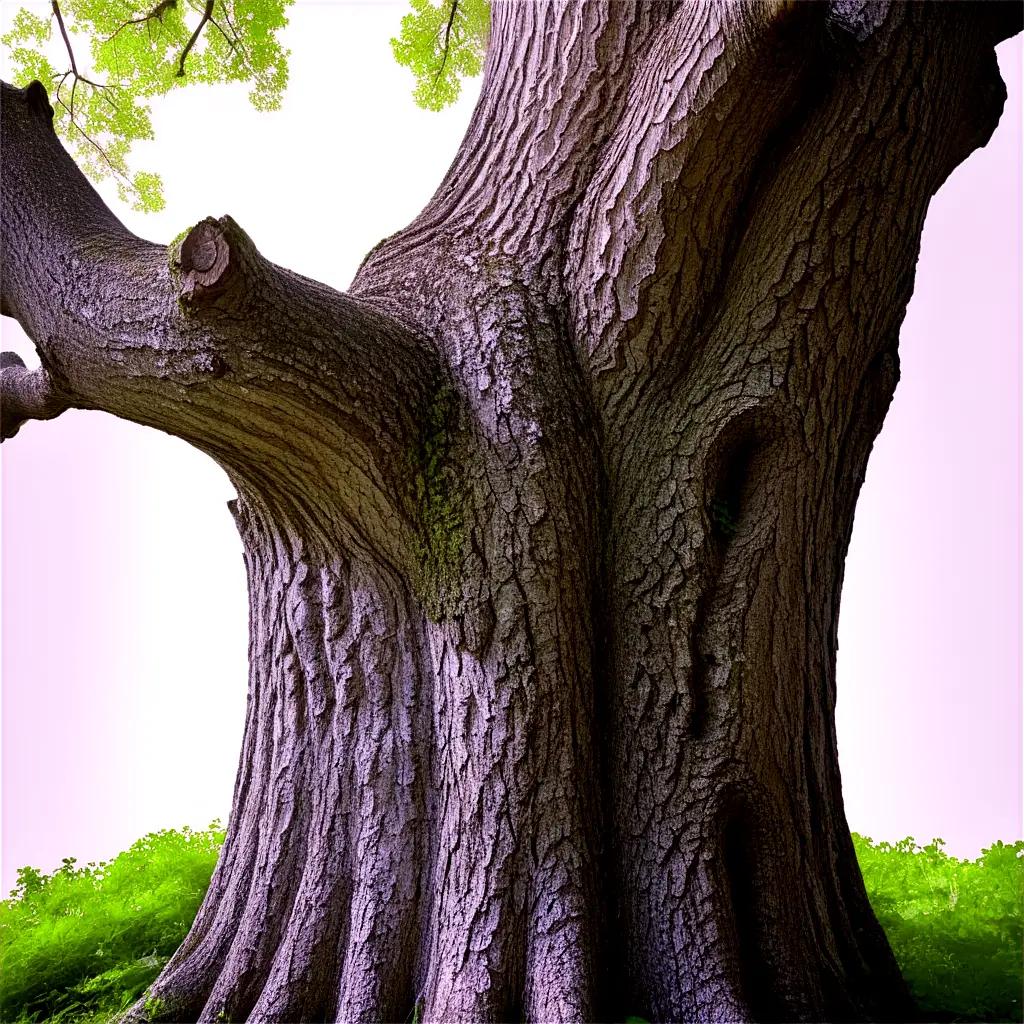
(442, 44)
(102, 61)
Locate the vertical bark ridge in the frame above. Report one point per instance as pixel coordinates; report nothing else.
(336, 867)
(300, 982)
(283, 825)
(511, 658)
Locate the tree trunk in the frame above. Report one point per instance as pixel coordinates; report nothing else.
(545, 519)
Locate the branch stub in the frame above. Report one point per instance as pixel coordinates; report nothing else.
(37, 100)
(205, 260)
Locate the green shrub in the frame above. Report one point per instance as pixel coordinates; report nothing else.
(82, 944)
(955, 925)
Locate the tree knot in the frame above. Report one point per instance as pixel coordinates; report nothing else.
(208, 257)
(204, 259)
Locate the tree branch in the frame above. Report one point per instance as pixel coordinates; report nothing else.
(64, 35)
(728, 95)
(286, 382)
(156, 14)
(703, 107)
(207, 14)
(514, 132)
(25, 395)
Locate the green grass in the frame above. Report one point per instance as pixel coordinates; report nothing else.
(81, 944)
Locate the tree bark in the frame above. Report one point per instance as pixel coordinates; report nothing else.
(544, 519)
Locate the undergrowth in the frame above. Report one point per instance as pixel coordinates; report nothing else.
(955, 925)
(80, 945)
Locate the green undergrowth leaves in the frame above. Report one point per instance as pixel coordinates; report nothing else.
(80, 945)
(83, 943)
(955, 925)
(102, 62)
(442, 43)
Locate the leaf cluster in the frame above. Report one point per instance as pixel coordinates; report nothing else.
(83, 943)
(956, 926)
(102, 62)
(442, 44)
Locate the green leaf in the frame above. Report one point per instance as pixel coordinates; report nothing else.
(101, 88)
(442, 44)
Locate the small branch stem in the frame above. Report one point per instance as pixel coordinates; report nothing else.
(64, 35)
(447, 40)
(207, 14)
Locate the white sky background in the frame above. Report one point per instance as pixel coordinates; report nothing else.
(144, 550)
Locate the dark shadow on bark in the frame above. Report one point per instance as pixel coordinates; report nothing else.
(736, 469)
(745, 880)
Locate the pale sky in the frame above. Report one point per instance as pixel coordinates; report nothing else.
(124, 609)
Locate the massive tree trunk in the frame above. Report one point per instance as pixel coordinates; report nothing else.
(544, 519)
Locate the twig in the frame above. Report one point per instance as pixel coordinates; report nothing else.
(116, 171)
(227, 38)
(447, 40)
(157, 12)
(237, 39)
(55, 7)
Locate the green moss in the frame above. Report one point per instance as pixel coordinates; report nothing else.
(154, 1007)
(174, 258)
(174, 246)
(438, 500)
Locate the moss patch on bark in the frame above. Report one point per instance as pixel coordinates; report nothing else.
(438, 499)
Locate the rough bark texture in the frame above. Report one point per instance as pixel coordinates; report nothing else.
(545, 519)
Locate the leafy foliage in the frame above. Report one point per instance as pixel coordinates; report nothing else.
(442, 44)
(133, 51)
(82, 944)
(956, 926)
(103, 61)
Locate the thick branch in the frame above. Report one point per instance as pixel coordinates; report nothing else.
(25, 395)
(528, 152)
(309, 394)
(717, 84)
(728, 93)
